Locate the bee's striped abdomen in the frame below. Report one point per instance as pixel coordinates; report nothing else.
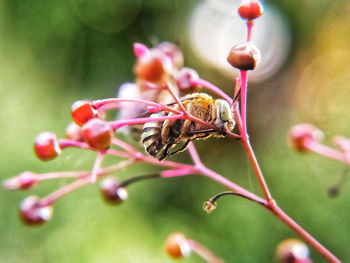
(151, 135)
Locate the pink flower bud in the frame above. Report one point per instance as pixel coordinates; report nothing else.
(83, 111)
(112, 192)
(46, 146)
(23, 181)
(177, 246)
(33, 213)
(74, 132)
(292, 251)
(300, 134)
(185, 77)
(98, 134)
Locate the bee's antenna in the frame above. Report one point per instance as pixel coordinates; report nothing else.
(236, 97)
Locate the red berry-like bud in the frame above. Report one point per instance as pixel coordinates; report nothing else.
(300, 134)
(292, 251)
(250, 9)
(83, 111)
(46, 146)
(74, 132)
(177, 245)
(98, 134)
(33, 213)
(149, 68)
(244, 56)
(112, 192)
(23, 181)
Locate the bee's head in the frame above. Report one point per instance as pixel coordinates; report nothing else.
(225, 116)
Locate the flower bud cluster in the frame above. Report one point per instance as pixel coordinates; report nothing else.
(156, 69)
(160, 75)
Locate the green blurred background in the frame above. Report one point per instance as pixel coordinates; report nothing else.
(53, 53)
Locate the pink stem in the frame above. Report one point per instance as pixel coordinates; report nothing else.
(59, 175)
(79, 174)
(70, 143)
(244, 80)
(123, 145)
(177, 172)
(120, 123)
(302, 233)
(206, 84)
(64, 143)
(236, 188)
(176, 98)
(250, 25)
(326, 151)
(107, 104)
(203, 252)
(97, 104)
(194, 154)
(270, 203)
(163, 163)
(49, 199)
(97, 166)
(249, 150)
(138, 156)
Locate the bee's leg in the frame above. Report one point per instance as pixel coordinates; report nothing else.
(181, 149)
(166, 151)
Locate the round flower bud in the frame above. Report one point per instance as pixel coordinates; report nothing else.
(98, 134)
(250, 9)
(177, 245)
(33, 213)
(292, 251)
(149, 68)
(300, 134)
(185, 77)
(46, 146)
(23, 181)
(244, 56)
(74, 132)
(112, 192)
(83, 111)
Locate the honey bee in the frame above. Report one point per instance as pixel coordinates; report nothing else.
(164, 138)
